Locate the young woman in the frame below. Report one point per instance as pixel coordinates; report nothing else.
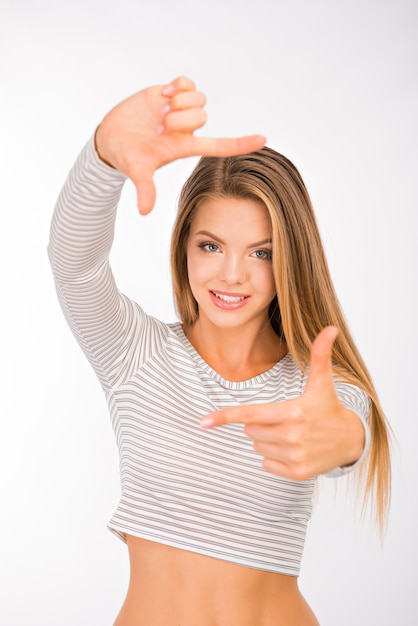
(224, 419)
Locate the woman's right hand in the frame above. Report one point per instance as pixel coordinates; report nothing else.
(154, 127)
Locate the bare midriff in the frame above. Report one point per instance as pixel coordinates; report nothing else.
(172, 587)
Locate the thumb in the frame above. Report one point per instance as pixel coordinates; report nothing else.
(146, 194)
(320, 371)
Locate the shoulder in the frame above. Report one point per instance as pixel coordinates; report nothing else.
(353, 398)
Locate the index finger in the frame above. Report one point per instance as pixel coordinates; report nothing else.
(217, 147)
(246, 414)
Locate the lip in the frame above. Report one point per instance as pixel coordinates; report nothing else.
(228, 306)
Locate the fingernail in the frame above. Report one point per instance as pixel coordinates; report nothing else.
(168, 90)
(159, 129)
(165, 109)
(207, 422)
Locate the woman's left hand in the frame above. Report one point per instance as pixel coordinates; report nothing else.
(306, 436)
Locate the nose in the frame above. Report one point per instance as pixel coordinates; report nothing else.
(232, 270)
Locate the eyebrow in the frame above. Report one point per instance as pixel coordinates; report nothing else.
(206, 233)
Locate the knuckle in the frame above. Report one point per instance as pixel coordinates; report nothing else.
(297, 414)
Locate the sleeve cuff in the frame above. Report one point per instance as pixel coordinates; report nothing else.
(357, 401)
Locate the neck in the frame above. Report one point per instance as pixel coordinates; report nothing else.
(236, 353)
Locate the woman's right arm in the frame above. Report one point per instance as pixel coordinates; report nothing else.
(144, 132)
(81, 237)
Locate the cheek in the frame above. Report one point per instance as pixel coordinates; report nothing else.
(200, 268)
(265, 280)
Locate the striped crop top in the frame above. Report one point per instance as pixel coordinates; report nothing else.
(199, 490)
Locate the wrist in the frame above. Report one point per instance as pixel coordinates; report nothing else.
(98, 148)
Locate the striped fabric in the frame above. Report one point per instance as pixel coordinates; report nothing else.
(194, 489)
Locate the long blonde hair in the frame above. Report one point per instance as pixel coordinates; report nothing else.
(306, 300)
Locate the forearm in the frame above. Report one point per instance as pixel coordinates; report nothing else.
(81, 238)
(83, 222)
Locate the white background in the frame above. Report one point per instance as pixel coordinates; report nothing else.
(333, 85)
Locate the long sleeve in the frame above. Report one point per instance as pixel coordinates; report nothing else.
(109, 327)
(356, 400)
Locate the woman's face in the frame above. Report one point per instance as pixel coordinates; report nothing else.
(229, 261)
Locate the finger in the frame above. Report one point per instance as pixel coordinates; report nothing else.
(276, 467)
(187, 120)
(246, 414)
(181, 83)
(185, 100)
(320, 371)
(294, 456)
(292, 472)
(264, 433)
(269, 450)
(146, 194)
(227, 147)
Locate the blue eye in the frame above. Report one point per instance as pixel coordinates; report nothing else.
(210, 247)
(263, 254)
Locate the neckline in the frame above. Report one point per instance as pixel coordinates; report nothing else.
(230, 384)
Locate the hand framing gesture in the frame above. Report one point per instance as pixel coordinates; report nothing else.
(305, 436)
(154, 127)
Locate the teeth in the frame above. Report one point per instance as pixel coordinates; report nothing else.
(229, 298)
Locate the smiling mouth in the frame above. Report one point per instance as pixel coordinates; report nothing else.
(227, 298)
